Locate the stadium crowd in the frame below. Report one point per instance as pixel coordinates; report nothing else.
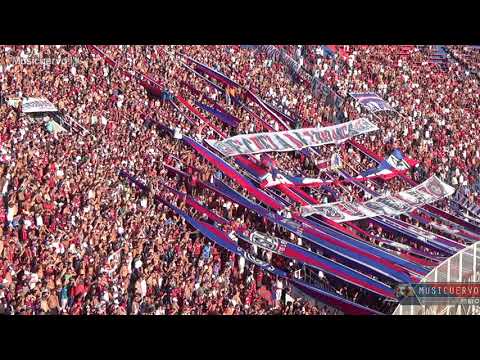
(78, 239)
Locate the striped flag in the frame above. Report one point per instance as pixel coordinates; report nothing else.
(395, 164)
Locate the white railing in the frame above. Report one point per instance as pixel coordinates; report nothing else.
(462, 267)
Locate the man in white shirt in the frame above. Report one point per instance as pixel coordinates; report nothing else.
(277, 292)
(241, 265)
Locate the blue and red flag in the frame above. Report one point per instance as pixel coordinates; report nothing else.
(223, 116)
(394, 165)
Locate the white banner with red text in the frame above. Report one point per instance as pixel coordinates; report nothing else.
(292, 140)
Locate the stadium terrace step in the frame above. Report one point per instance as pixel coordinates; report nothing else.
(439, 57)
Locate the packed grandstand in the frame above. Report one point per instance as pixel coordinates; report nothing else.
(234, 180)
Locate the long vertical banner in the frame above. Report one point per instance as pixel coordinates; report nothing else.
(199, 115)
(427, 192)
(211, 72)
(221, 239)
(260, 102)
(292, 140)
(232, 173)
(221, 115)
(296, 252)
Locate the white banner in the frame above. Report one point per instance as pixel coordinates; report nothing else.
(292, 139)
(427, 192)
(264, 241)
(335, 161)
(34, 105)
(372, 102)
